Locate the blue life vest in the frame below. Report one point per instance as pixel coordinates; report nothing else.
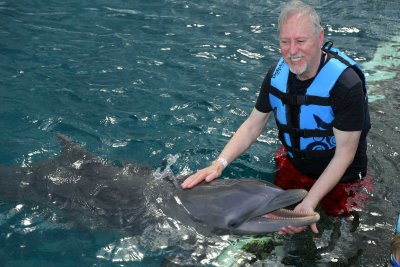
(315, 130)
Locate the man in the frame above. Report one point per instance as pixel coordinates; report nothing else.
(320, 106)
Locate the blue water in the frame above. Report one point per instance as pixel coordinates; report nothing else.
(167, 83)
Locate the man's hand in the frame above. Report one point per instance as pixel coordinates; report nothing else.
(294, 230)
(207, 174)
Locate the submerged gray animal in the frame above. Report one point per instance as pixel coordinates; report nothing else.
(96, 194)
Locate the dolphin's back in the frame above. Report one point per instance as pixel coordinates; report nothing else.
(83, 186)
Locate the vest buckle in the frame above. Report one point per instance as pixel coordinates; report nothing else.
(295, 100)
(301, 100)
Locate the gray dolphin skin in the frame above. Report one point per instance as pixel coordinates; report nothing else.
(245, 206)
(97, 194)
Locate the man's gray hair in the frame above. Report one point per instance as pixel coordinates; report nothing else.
(298, 7)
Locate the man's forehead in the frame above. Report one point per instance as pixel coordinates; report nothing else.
(297, 22)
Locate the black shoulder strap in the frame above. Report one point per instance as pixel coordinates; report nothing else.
(327, 48)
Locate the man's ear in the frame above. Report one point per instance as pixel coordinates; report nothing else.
(321, 37)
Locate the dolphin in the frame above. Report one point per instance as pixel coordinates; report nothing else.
(96, 194)
(245, 206)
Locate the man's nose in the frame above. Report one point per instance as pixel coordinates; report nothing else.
(293, 49)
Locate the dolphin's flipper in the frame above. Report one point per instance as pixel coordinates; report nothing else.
(230, 203)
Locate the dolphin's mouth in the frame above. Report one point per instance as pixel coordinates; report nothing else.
(290, 215)
(275, 220)
(283, 215)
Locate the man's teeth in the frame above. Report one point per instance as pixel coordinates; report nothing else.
(295, 58)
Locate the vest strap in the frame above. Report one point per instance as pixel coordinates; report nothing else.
(298, 100)
(309, 154)
(296, 132)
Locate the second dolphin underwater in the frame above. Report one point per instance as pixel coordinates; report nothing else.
(100, 194)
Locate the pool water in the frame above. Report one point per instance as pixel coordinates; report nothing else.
(166, 83)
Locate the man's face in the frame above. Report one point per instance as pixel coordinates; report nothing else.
(300, 46)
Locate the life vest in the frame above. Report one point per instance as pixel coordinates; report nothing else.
(315, 131)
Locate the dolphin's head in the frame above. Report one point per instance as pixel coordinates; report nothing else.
(245, 206)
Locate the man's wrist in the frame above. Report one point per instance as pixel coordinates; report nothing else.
(308, 201)
(222, 161)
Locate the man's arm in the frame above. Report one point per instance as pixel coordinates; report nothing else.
(346, 147)
(244, 137)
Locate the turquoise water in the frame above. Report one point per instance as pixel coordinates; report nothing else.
(166, 83)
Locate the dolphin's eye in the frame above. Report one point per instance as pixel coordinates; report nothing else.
(232, 225)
